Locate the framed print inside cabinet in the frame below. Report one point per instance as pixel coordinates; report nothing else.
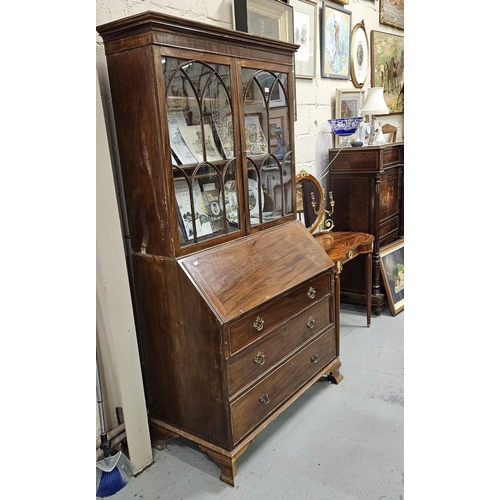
(335, 41)
(304, 22)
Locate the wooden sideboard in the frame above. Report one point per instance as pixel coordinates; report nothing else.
(367, 186)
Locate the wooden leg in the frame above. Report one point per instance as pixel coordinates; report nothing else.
(227, 465)
(369, 288)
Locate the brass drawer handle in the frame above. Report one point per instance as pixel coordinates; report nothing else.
(260, 358)
(265, 398)
(314, 358)
(258, 324)
(349, 254)
(310, 322)
(311, 293)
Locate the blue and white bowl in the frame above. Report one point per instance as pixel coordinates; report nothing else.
(345, 126)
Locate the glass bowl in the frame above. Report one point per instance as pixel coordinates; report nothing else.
(345, 126)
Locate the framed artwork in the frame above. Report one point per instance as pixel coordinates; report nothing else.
(304, 21)
(335, 41)
(359, 55)
(392, 13)
(392, 264)
(264, 18)
(347, 103)
(388, 68)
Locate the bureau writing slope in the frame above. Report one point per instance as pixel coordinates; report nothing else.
(233, 297)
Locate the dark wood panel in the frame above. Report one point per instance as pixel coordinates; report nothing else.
(180, 335)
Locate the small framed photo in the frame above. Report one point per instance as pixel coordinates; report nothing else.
(335, 41)
(392, 266)
(264, 18)
(304, 21)
(392, 13)
(347, 104)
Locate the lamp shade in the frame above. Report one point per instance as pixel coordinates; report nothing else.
(375, 102)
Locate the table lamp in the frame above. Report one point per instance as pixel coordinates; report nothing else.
(373, 106)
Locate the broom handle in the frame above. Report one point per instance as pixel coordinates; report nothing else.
(105, 442)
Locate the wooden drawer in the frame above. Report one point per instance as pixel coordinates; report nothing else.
(261, 356)
(388, 227)
(258, 323)
(391, 156)
(259, 402)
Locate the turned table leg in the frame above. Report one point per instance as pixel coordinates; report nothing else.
(369, 260)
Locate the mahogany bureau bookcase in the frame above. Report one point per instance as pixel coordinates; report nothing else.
(367, 186)
(233, 297)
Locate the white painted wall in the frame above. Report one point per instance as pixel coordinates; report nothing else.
(313, 138)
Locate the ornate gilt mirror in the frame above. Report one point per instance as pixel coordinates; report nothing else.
(310, 200)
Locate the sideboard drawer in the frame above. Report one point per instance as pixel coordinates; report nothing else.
(257, 324)
(264, 354)
(388, 227)
(254, 406)
(391, 156)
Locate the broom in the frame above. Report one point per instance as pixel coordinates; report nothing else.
(112, 471)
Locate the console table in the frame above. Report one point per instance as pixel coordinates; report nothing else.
(342, 247)
(367, 186)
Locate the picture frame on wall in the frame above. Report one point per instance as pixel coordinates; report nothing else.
(264, 18)
(392, 13)
(387, 68)
(347, 104)
(393, 274)
(360, 55)
(335, 41)
(304, 22)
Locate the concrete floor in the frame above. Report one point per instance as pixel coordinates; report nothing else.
(336, 442)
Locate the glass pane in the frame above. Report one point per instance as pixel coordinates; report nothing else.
(200, 120)
(267, 144)
(199, 104)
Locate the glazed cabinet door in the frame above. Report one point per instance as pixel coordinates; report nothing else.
(268, 144)
(200, 109)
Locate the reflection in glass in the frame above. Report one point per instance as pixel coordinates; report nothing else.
(267, 144)
(200, 120)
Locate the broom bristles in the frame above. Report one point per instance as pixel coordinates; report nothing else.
(113, 474)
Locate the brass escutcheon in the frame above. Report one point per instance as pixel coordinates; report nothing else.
(349, 254)
(310, 322)
(265, 398)
(311, 293)
(314, 358)
(258, 324)
(260, 358)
